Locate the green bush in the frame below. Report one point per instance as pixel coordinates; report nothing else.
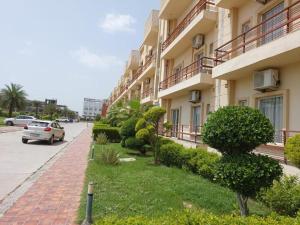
(134, 143)
(247, 173)
(199, 218)
(292, 150)
(284, 196)
(164, 141)
(234, 130)
(110, 156)
(170, 155)
(201, 162)
(128, 128)
(112, 133)
(102, 139)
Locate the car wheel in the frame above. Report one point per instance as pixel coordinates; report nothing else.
(51, 140)
(9, 123)
(24, 140)
(62, 138)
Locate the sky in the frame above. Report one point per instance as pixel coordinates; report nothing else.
(69, 49)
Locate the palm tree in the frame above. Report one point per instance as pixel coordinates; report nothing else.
(51, 109)
(13, 98)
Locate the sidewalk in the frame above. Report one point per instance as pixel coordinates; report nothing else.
(54, 198)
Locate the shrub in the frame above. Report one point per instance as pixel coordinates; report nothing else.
(195, 217)
(102, 139)
(170, 155)
(284, 196)
(141, 124)
(112, 133)
(234, 129)
(201, 162)
(292, 150)
(143, 134)
(248, 173)
(164, 141)
(110, 156)
(134, 143)
(128, 128)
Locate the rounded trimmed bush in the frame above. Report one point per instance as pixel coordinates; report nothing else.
(236, 129)
(292, 150)
(134, 143)
(143, 134)
(247, 173)
(128, 128)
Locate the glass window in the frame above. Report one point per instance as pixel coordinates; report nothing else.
(273, 20)
(196, 118)
(175, 122)
(272, 108)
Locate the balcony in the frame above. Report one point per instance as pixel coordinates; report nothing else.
(151, 29)
(201, 19)
(196, 76)
(274, 42)
(229, 4)
(133, 61)
(172, 9)
(147, 96)
(143, 71)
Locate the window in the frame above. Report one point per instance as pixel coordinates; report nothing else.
(273, 20)
(196, 118)
(175, 122)
(243, 102)
(272, 108)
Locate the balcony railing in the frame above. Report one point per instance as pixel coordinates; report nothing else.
(278, 25)
(203, 65)
(188, 133)
(148, 92)
(196, 10)
(149, 60)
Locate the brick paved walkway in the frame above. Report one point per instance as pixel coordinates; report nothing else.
(54, 198)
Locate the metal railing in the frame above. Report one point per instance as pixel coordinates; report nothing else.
(276, 26)
(196, 10)
(147, 93)
(203, 65)
(186, 133)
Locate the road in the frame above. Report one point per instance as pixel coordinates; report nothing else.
(19, 161)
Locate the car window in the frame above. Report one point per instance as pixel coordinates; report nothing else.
(53, 125)
(19, 117)
(39, 124)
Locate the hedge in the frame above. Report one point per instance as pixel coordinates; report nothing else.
(195, 217)
(112, 133)
(197, 160)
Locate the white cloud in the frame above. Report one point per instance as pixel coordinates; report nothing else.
(92, 60)
(27, 49)
(117, 23)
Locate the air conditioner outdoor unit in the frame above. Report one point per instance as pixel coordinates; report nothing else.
(198, 41)
(147, 81)
(195, 96)
(266, 80)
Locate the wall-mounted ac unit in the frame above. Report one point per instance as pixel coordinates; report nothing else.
(195, 96)
(198, 41)
(147, 81)
(266, 80)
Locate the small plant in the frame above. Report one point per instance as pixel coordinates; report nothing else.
(102, 139)
(110, 156)
(284, 196)
(292, 150)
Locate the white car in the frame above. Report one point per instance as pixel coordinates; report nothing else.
(19, 120)
(62, 120)
(41, 130)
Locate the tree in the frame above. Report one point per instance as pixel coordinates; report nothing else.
(236, 131)
(50, 109)
(147, 128)
(13, 98)
(292, 150)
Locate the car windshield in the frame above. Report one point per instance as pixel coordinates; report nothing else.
(39, 124)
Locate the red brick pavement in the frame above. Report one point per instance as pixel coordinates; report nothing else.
(54, 198)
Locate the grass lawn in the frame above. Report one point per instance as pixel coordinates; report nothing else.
(140, 188)
(1, 121)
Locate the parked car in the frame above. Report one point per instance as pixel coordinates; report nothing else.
(19, 120)
(42, 130)
(62, 120)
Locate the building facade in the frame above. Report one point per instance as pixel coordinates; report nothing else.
(91, 108)
(199, 55)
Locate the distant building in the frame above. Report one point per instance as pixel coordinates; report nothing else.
(91, 108)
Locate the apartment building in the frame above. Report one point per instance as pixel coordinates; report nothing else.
(92, 108)
(206, 54)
